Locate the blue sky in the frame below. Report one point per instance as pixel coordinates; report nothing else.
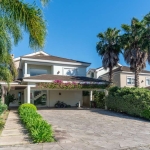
(73, 25)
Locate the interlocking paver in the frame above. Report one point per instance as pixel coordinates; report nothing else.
(87, 129)
(97, 127)
(14, 132)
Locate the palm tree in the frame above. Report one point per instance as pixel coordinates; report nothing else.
(135, 49)
(27, 16)
(14, 16)
(109, 49)
(146, 34)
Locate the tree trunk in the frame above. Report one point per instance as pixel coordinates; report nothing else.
(136, 77)
(110, 75)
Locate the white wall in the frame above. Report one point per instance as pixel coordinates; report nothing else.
(68, 97)
(42, 67)
(102, 71)
(81, 71)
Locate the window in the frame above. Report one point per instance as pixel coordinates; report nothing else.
(70, 71)
(130, 80)
(147, 81)
(92, 74)
(34, 72)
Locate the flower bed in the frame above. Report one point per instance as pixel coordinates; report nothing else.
(58, 84)
(38, 128)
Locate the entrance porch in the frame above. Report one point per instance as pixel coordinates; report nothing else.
(48, 97)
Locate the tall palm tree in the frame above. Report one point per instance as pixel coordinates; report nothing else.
(109, 49)
(27, 16)
(135, 51)
(8, 31)
(16, 15)
(146, 34)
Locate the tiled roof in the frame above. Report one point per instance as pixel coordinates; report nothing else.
(54, 58)
(125, 68)
(64, 78)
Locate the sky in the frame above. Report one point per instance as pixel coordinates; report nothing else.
(73, 25)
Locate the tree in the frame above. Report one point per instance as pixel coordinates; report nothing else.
(109, 49)
(146, 34)
(14, 16)
(27, 16)
(135, 49)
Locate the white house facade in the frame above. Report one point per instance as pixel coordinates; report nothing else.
(41, 67)
(98, 72)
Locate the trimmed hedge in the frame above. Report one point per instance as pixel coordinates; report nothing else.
(38, 128)
(27, 105)
(133, 101)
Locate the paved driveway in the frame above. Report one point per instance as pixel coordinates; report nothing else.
(97, 129)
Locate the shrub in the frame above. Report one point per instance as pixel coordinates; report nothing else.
(3, 107)
(38, 128)
(99, 99)
(27, 105)
(9, 98)
(133, 101)
(1, 124)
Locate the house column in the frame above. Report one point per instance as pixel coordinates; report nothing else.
(91, 98)
(25, 69)
(28, 93)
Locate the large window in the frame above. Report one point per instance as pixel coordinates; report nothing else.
(130, 80)
(34, 72)
(70, 71)
(147, 81)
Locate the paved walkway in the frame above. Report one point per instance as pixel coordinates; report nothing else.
(86, 130)
(14, 132)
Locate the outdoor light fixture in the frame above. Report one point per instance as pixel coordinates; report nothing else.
(59, 93)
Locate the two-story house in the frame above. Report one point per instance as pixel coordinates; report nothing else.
(41, 67)
(122, 76)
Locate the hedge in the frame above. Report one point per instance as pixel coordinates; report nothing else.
(40, 131)
(99, 99)
(133, 101)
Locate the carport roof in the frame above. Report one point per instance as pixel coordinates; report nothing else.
(63, 78)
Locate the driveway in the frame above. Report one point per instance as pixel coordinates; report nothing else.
(97, 129)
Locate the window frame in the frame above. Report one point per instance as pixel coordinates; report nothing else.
(132, 77)
(146, 82)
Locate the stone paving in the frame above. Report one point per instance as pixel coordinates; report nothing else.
(98, 129)
(87, 129)
(13, 132)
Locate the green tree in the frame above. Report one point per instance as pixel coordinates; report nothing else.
(135, 49)
(109, 49)
(16, 15)
(27, 16)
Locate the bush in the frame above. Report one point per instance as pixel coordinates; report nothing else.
(1, 124)
(38, 128)
(99, 99)
(133, 101)
(3, 107)
(27, 105)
